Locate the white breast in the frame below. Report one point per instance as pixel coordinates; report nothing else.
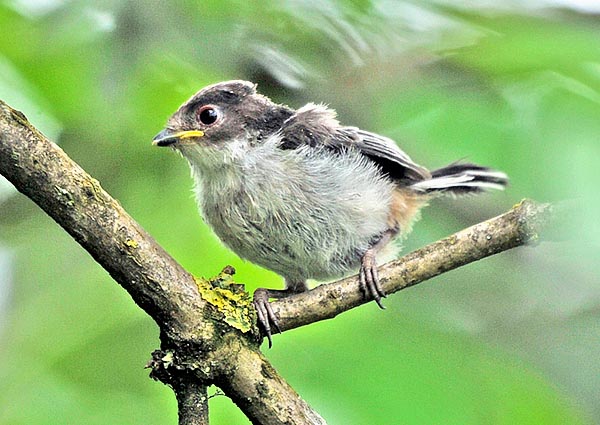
(303, 213)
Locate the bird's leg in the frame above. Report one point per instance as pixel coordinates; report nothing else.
(266, 316)
(368, 277)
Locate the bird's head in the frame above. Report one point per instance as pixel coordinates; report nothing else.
(220, 114)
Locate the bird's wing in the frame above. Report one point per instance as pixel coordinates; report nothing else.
(316, 125)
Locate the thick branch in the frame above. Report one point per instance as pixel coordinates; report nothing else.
(516, 227)
(209, 350)
(42, 171)
(260, 392)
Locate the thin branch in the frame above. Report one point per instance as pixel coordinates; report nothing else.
(192, 402)
(516, 227)
(191, 392)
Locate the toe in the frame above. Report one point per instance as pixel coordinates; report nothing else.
(267, 319)
(369, 280)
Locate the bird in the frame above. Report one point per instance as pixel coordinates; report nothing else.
(298, 193)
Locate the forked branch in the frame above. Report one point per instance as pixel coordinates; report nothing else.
(199, 347)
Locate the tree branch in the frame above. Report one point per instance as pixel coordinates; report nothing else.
(41, 170)
(516, 227)
(192, 402)
(200, 343)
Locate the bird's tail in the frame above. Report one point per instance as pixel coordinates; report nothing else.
(462, 179)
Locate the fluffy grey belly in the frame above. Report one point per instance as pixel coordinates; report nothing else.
(293, 248)
(307, 219)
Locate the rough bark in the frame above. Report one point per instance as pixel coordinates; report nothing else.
(192, 402)
(42, 171)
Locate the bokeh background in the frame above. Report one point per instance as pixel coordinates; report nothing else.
(513, 339)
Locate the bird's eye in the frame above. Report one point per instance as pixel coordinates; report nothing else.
(208, 115)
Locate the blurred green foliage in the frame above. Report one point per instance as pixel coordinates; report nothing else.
(512, 339)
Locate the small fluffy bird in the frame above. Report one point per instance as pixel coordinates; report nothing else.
(298, 193)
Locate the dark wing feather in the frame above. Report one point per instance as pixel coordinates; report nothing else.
(315, 125)
(388, 155)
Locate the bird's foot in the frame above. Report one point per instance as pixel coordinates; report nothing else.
(369, 278)
(267, 319)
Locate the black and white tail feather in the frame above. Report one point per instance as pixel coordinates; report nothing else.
(462, 179)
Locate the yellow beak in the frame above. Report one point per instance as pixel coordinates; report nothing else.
(167, 137)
